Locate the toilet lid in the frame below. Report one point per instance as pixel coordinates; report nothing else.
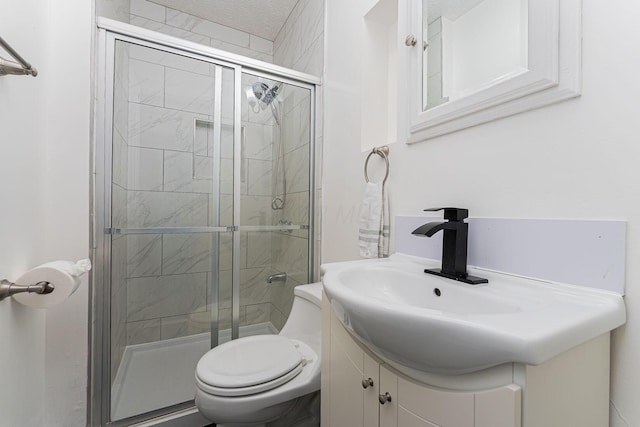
(249, 361)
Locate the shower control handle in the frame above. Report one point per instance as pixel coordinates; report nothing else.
(411, 40)
(367, 383)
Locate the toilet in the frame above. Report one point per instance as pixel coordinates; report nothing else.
(256, 380)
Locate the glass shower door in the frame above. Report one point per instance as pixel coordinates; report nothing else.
(274, 202)
(172, 221)
(206, 202)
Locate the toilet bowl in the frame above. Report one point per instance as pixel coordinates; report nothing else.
(258, 379)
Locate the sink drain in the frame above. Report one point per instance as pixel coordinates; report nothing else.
(437, 292)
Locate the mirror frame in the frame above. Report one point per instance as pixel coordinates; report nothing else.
(553, 73)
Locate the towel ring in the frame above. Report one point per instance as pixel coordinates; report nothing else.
(382, 152)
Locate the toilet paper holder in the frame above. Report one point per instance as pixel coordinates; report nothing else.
(8, 288)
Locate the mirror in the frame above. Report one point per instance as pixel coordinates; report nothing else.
(469, 45)
(484, 60)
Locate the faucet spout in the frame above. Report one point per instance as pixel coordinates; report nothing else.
(431, 228)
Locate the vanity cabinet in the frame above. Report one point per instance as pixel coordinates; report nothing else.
(571, 389)
(361, 390)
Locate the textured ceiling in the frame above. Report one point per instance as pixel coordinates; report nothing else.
(263, 18)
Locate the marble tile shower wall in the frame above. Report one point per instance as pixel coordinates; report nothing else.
(164, 277)
(255, 210)
(289, 248)
(300, 43)
(166, 181)
(168, 184)
(255, 304)
(300, 46)
(179, 24)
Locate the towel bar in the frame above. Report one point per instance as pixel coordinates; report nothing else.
(21, 67)
(382, 152)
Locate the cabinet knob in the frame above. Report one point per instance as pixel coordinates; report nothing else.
(367, 383)
(384, 398)
(411, 40)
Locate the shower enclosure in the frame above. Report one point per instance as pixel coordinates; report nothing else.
(203, 204)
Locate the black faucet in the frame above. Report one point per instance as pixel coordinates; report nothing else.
(454, 245)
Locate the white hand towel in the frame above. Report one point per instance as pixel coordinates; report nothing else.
(374, 222)
(383, 242)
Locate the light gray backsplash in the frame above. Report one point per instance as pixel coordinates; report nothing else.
(579, 252)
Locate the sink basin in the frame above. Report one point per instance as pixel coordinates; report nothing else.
(433, 324)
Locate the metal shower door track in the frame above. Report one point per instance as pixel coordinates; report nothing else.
(185, 46)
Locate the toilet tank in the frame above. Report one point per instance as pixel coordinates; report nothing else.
(305, 321)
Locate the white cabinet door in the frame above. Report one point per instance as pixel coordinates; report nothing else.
(371, 372)
(500, 407)
(388, 390)
(409, 419)
(439, 407)
(346, 394)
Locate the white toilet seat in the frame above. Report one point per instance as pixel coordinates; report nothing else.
(236, 401)
(251, 365)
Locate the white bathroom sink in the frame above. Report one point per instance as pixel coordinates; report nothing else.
(434, 324)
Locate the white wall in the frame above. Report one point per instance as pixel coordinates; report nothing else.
(67, 203)
(577, 159)
(378, 110)
(44, 173)
(22, 156)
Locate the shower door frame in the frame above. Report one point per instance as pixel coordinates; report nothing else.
(109, 33)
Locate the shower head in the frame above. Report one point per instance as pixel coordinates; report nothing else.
(265, 94)
(260, 96)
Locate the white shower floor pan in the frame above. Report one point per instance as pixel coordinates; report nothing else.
(155, 375)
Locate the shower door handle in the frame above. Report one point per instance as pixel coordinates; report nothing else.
(243, 147)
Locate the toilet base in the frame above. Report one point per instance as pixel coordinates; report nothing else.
(241, 425)
(304, 413)
(237, 416)
(301, 412)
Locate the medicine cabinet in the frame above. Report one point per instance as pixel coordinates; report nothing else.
(469, 62)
